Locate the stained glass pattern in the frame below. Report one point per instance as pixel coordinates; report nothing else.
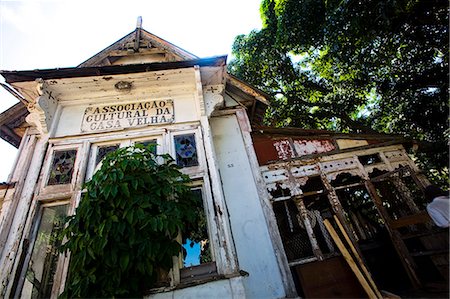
(62, 167)
(186, 151)
(103, 151)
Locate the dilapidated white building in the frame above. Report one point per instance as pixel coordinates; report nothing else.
(266, 191)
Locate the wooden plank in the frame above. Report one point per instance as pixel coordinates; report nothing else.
(206, 269)
(358, 258)
(421, 217)
(429, 252)
(349, 260)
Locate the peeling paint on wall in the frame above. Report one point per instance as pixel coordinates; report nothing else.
(308, 147)
(284, 149)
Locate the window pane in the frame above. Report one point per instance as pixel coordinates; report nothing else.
(196, 245)
(149, 142)
(62, 167)
(186, 150)
(41, 268)
(103, 151)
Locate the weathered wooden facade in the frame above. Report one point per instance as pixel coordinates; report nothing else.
(266, 192)
(372, 187)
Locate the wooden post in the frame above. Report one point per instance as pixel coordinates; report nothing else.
(304, 217)
(400, 247)
(348, 258)
(336, 204)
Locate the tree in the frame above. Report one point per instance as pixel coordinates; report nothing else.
(125, 228)
(354, 66)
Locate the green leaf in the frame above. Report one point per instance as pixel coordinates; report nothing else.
(130, 216)
(124, 188)
(91, 252)
(124, 259)
(134, 184)
(122, 218)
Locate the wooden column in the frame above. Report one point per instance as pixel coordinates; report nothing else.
(304, 217)
(337, 207)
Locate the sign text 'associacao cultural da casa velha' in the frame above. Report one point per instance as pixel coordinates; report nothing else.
(120, 116)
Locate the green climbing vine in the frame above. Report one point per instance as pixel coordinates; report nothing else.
(124, 231)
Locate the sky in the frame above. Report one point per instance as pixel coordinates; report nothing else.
(40, 34)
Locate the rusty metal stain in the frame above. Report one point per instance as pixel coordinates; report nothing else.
(308, 147)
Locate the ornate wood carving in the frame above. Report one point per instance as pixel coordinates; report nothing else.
(213, 98)
(42, 109)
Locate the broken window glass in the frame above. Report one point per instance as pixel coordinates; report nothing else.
(186, 151)
(196, 245)
(62, 167)
(103, 151)
(42, 264)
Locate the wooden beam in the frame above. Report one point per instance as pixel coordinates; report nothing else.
(14, 93)
(348, 258)
(421, 217)
(358, 258)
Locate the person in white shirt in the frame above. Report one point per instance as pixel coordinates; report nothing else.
(438, 208)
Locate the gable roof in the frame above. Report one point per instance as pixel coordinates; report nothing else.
(139, 43)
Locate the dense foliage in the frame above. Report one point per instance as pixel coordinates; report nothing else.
(125, 228)
(354, 66)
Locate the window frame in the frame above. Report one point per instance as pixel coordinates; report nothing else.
(198, 271)
(62, 259)
(160, 148)
(91, 167)
(193, 171)
(51, 192)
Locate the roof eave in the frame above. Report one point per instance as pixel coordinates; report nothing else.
(73, 72)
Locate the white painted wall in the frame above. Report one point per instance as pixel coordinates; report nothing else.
(252, 240)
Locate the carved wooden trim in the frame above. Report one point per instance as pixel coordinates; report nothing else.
(43, 108)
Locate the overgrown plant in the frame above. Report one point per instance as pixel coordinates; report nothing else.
(124, 231)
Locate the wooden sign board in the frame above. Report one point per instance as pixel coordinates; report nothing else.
(121, 116)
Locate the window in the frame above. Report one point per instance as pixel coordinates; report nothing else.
(62, 166)
(102, 151)
(40, 267)
(196, 244)
(41, 262)
(197, 257)
(186, 150)
(149, 142)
